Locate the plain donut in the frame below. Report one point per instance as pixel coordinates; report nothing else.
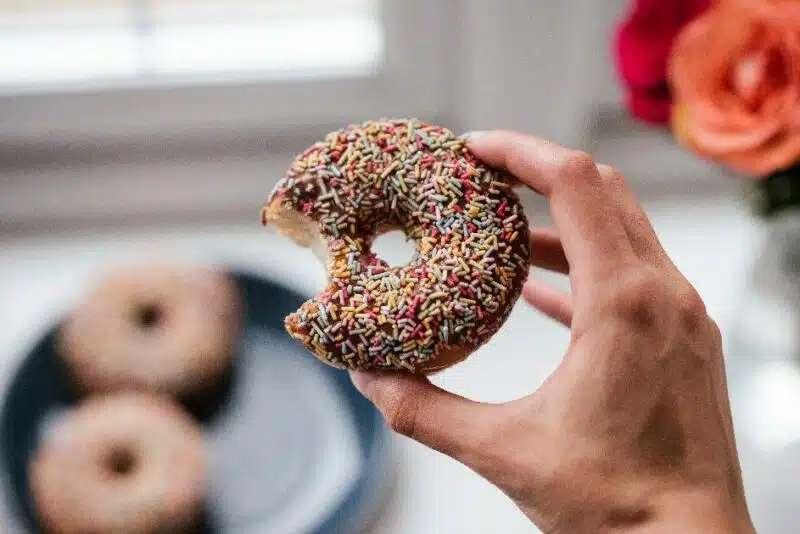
(154, 327)
(122, 464)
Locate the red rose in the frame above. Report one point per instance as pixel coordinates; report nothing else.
(643, 44)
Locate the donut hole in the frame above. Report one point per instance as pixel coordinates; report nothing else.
(149, 316)
(394, 248)
(121, 462)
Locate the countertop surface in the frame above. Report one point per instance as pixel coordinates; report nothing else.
(715, 242)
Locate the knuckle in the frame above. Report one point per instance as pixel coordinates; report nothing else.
(638, 299)
(400, 408)
(691, 309)
(575, 163)
(611, 175)
(714, 331)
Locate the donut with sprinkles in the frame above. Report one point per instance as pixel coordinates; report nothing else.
(471, 235)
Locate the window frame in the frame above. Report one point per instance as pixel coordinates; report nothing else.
(409, 82)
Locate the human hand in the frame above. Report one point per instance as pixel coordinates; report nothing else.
(633, 430)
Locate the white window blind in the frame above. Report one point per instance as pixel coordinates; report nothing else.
(80, 42)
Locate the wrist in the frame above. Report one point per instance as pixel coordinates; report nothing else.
(693, 512)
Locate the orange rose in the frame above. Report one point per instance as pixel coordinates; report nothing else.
(781, 11)
(735, 77)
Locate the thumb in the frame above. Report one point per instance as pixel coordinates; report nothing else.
(416, 408)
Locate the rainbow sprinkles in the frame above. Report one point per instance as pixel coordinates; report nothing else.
(471, 235)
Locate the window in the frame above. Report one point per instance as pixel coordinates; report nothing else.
(52, 44)
(100, 69)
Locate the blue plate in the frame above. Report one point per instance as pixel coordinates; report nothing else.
(295, 448)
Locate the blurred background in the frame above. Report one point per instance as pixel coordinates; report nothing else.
(130, 127)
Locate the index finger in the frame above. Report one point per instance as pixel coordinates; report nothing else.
(582, 205)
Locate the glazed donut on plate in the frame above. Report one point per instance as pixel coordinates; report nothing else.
(471, 235)
(155, 327)
(123, 464)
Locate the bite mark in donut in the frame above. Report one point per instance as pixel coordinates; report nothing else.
(471, 235)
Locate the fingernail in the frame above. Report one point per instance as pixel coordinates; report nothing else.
(471, 136)
(363, 382)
